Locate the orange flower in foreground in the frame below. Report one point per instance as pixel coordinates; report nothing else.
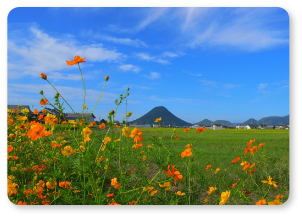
(275, 202)
(35, 111)
(174, 173)
(279, 196)
(43, 101)
(51, 185)
(137, 134)
(233, 185)
(235, 160)
(36, 131)
(176, 137)
(77, 59)
(186, 153)
(132, 202)
(114, 203)
(187, 129)
(20, 203)
(270, 182)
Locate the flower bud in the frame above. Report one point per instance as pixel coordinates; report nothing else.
(106, 78)
(44, 76)
(111, 112)
(129, 114)
(128, 88)
(41, 92)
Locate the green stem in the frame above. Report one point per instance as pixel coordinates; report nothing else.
(98, 99)
(147, 185)
(63, 99)
(84, 90)
(100, 197)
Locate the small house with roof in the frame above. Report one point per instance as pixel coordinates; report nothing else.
(15, 107)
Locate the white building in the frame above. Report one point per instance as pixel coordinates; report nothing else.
(217, 127)
(240, 127)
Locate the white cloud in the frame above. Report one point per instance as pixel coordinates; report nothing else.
(123, 41)
(262, 86)
(153, 75)
(147, 57)
(192, 74)
(39, 52)
(129, 67)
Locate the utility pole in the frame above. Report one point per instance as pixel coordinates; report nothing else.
(126, 114)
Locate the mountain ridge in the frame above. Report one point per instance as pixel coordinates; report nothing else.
(169, 118)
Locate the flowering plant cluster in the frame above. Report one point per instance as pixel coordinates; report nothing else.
(55, 161)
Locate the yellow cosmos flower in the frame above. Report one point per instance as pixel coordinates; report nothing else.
(179, 193)
(157, 120)
(224, 197)
(270, 182)
(211, 190)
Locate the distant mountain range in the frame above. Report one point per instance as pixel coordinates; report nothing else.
(170, 119)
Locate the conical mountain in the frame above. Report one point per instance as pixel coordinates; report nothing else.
(167, 118)
(274, 120)
(204, 122)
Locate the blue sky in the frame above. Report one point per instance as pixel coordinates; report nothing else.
(219, 63)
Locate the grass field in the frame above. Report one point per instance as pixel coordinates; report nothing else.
(73, 164)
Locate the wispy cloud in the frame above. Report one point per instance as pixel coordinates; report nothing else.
(69, 93)
(153, 75)
(122, 41)
(152, 15)
(192, 74)
(247, 30)
(178, 100)
(147, 57)
(129, 67)
(39, 52)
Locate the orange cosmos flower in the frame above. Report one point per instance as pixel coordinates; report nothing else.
(114, 203)
(36, 131)
(208, 167)
(179, 193)
(137, 145)
(201, 129)
(224, 197)
(44, 76)
(44, 111)
(252, 171)
(102, 126)
(11, 187)
(20, 203)
(186, 153)
(211, 190)
(187, 129)
(261, 202)
(110, 195)
(43, 101)
(247, 166)
(176, 137)
(91, 124)
(132, 202)
(40, 117)
(233, 185)
(279, 196)
(174, 173)
(35, 111)
(137, 134)
(77, 59)
(260, 145)
(115, 184)
(64, 122)
(235, 160)
(51, 185)
(253, 150)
